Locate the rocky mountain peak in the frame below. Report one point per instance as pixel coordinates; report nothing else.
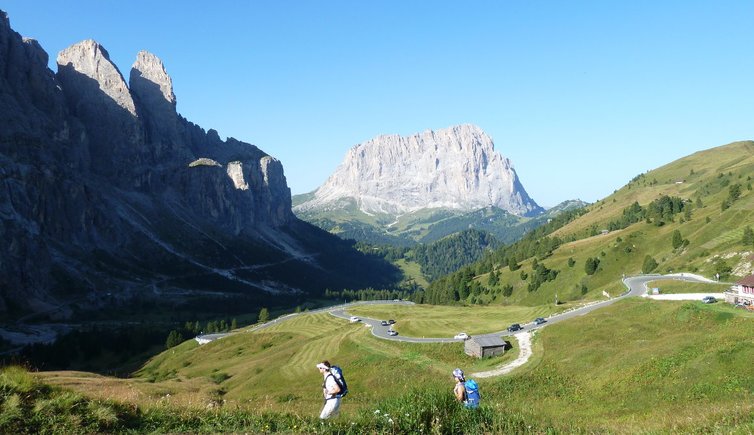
(455, 168)
(150, 68)
(91, 60)
(108, 196)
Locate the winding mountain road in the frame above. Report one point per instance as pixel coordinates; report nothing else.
(635, 285)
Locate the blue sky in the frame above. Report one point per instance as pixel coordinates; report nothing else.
(580, 95)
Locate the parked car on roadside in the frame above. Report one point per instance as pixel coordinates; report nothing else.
(391, 321)
(392, 332)
(383, 323)
(709, 300)
(515, 327)
(354, 319)
(539, 320)
(461, 336)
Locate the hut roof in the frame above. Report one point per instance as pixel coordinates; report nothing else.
(489, 341)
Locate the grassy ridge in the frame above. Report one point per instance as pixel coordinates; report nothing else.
(714, 232)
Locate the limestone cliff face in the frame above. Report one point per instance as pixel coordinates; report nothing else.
(455, 168)
(103, 185)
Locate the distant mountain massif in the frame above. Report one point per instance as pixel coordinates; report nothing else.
(421, 188)
(109, 197)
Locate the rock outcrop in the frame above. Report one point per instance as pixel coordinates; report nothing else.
(106, 190)
(455, 168)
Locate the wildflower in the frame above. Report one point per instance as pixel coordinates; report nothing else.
(377, 411)
(390, 420)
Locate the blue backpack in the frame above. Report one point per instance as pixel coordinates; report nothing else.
(472, 394)
(337, 374)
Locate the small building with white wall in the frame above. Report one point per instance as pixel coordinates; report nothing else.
(742, 292)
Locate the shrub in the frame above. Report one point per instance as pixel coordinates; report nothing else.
(219, 377)
(649, 265)
(591, 264)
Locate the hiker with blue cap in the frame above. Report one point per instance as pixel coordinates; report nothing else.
(465, 391)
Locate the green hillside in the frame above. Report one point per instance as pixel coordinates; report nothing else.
(636, 366)
(690, 215)
(423, 226)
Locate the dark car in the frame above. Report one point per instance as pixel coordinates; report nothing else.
(391, 321)
(539, 320)
(383, 323)
(514, 327)
(709, 300)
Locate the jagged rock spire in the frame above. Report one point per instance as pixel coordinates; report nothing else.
(90, 59)
(150, 68)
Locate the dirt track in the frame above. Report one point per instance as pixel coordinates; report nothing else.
(524, 353)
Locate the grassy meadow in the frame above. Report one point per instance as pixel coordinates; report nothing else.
(669, 286)
(446, 321)
(641, 365)
(274, 368)
(636, 366)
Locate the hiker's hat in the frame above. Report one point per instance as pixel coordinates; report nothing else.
(458, 373)
(322, 366)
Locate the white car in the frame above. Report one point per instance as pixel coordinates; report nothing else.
(354, 319)
(462, 336)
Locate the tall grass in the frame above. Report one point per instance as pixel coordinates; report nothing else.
(29, 406)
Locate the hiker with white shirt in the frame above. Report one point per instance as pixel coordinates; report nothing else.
(334, 387)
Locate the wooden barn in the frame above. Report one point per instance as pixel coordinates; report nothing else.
(485, 346)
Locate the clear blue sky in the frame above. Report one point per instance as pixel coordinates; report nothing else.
(580, 95)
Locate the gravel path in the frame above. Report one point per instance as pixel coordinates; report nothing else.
(524, 353)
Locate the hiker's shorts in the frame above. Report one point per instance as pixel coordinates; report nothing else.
(331, 408)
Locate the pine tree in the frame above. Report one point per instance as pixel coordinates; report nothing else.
(590, 266)
(649, 265)
(677, 239)
(748, 237)
(493, 279)
(174, 339)
(507, 290)
(264, 315)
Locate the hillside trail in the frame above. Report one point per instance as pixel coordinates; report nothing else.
(524, 345)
